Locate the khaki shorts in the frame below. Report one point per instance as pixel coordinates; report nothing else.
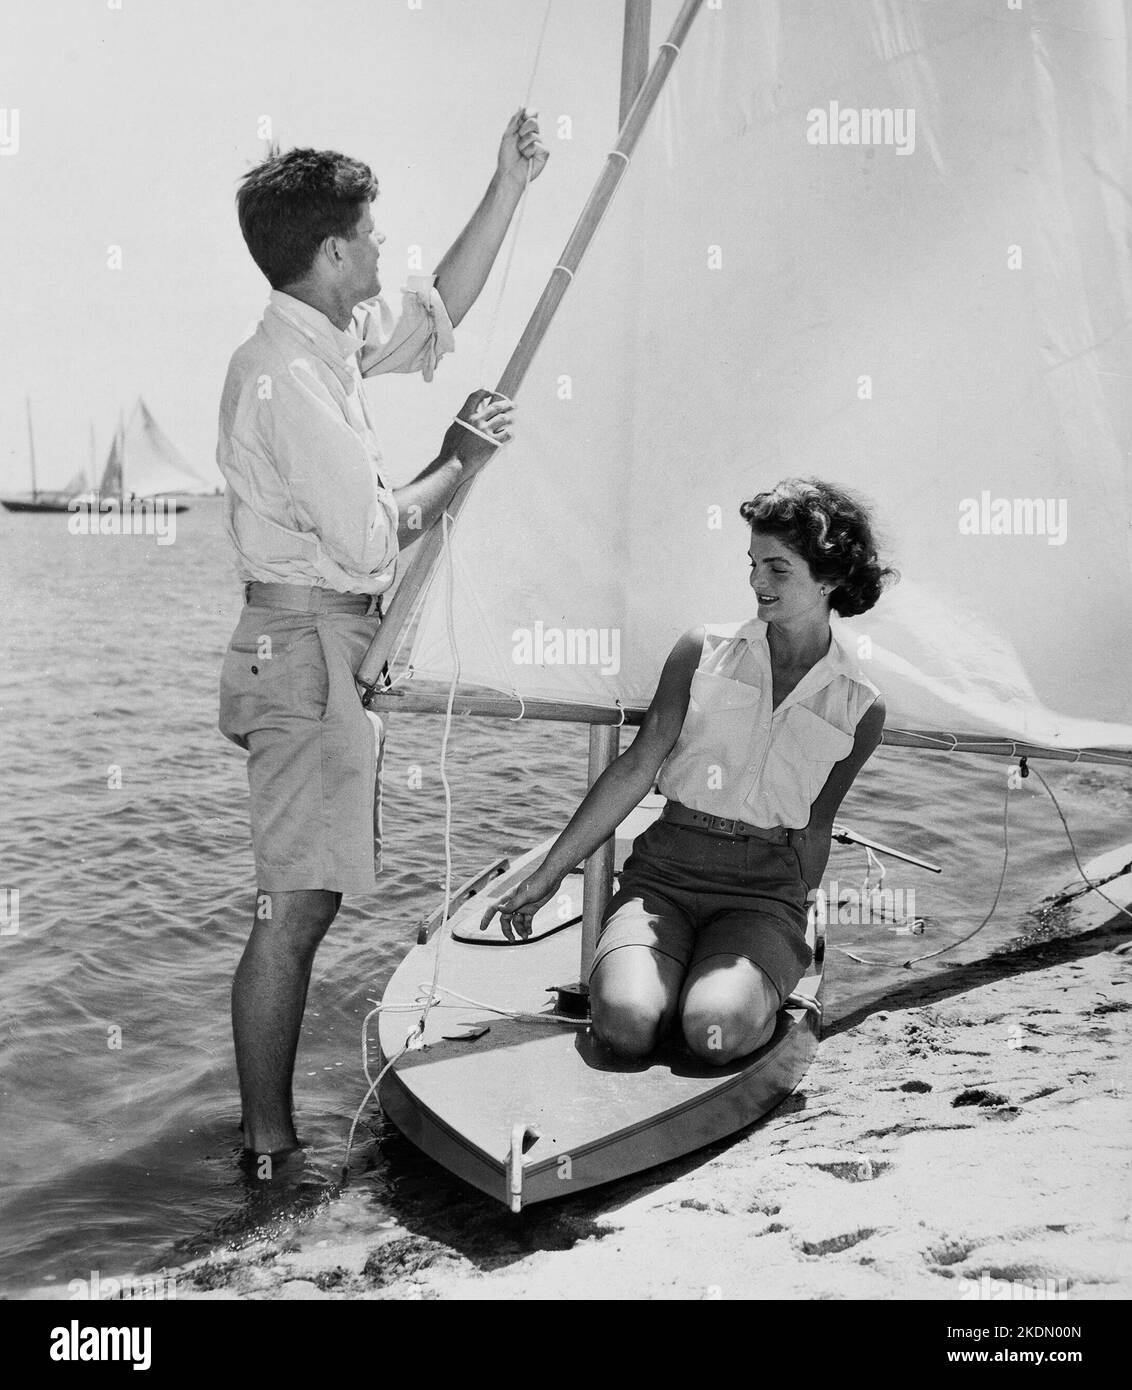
(287, 695)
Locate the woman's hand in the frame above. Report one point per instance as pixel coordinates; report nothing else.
(518, 908)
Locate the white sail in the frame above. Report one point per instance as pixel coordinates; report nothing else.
(937, 315)
(150, 462)
(111, 485)
(77, 484)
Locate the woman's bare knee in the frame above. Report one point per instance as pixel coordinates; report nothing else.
(630, 1026)
(718, 1038)
(728, 1009)
(633, 996)
(629, 1032)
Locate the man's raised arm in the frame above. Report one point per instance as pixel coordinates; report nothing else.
(463, 272)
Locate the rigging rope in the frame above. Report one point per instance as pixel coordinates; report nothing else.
(1092, 887)
(415, 1037)
(452, 687)
(490, 335)
(1065, 824)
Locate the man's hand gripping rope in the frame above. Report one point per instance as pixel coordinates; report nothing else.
(484, 424)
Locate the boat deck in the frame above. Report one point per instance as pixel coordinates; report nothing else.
(485, 1087)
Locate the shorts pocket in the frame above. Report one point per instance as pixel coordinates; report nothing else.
(378, 728)
(657, 839)
(796, 854)
(274, 671)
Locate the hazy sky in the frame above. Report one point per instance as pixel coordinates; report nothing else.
(136, 119)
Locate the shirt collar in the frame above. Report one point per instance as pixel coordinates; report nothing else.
(313, 325)
(836, 662)
(839, 661)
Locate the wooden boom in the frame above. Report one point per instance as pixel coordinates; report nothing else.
(428, 697)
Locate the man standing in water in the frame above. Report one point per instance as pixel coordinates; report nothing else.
(316, 531)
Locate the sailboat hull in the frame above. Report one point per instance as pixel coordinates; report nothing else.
(14, 505)
(529, 1112)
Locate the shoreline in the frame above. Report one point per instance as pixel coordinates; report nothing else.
(968, 1138)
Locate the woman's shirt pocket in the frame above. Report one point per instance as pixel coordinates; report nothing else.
(721, 721)
(804, 753)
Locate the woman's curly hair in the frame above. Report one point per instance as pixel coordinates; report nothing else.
(833, 531)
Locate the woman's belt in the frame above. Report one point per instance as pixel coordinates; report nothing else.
(720, 825)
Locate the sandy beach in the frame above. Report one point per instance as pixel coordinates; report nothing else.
(970, 1137)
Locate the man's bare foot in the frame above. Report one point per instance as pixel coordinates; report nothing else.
(266, 1166)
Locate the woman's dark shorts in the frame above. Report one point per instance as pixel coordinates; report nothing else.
(690, 894)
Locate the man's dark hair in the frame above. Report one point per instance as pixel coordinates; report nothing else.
(292, 202)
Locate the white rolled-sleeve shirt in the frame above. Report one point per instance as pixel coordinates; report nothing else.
(306, 501)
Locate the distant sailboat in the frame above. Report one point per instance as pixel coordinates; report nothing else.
(48, 500)
(144, 464)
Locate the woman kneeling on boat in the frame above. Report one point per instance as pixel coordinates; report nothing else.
(757, 732)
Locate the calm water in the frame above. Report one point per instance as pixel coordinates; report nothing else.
(134, 899)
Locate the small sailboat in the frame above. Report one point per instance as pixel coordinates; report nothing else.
(525, 1104)
(39, 499)
(853, 241)
(144, 465)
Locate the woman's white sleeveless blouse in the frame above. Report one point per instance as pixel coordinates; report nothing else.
(738, 758)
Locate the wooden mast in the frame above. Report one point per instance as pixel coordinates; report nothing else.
(429, 547)
(121, 459)
(31, 452)
(597, 875)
